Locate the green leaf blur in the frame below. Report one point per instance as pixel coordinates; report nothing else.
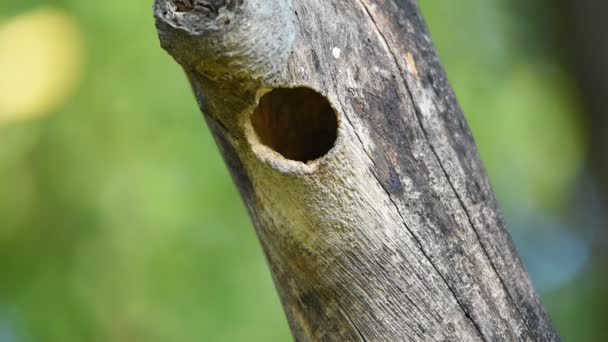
(118, 218)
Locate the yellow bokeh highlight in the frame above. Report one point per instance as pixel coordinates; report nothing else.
(41, 58)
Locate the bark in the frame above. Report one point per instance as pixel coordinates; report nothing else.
(370, 201)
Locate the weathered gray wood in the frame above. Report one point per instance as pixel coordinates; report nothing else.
(392, 235)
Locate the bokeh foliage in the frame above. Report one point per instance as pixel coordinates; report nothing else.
(118, 220)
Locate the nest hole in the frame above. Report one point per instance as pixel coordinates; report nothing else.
(299, 123)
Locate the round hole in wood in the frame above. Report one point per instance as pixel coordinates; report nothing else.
(299, 123)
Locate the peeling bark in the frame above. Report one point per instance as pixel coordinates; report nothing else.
(393, 234)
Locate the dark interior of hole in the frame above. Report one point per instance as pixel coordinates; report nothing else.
(299, 123)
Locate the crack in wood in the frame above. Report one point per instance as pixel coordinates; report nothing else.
(365, 7)
(398, 211)
(350, 321)
(447, 177)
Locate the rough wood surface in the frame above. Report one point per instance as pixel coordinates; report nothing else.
(394, 234)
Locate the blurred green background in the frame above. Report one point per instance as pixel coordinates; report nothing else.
(119, 221)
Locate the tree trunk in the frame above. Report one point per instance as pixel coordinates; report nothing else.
(357, 168)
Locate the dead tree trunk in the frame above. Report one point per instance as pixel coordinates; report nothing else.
(357, 168)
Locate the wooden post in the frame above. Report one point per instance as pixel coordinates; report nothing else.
(357, 168)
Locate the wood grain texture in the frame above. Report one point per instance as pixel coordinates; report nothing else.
(394, 234)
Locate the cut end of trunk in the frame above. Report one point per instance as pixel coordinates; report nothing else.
(197, 16)
(208, 8)
(227, 39)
